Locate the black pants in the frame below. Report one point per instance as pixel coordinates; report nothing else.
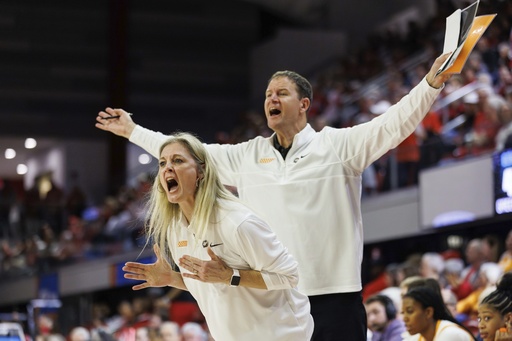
(338, 317)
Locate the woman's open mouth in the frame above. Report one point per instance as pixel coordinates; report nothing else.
(171, 184)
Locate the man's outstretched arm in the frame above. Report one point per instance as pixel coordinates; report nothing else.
(119, 122)
(116, 121)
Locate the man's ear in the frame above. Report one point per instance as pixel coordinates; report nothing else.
(305, 103)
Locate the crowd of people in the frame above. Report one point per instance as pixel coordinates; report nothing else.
(50, 228)
(472, 115)
(140, 319)
(474, 285)
(464, 281)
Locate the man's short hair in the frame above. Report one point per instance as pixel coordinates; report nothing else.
(304, 88)
(389, 306)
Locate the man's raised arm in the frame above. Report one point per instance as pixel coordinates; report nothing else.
(116, 121)
(119, 122)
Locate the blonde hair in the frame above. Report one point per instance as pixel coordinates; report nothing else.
(162, 216)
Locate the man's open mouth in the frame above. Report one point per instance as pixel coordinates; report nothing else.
(274, 111)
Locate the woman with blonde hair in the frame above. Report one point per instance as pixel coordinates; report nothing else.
(243, 279)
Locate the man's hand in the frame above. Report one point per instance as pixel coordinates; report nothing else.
(438, 81)
(122, 125)
(209, 271)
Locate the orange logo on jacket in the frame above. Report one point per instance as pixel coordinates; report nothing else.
(267, 159)
(182, 243)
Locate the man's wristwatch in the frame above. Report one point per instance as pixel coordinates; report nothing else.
(235, 278)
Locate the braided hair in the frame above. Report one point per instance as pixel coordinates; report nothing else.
(501, 298)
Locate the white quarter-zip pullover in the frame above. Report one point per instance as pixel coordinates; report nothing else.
(312, 199)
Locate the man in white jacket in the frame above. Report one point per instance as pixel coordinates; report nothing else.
(307, 186)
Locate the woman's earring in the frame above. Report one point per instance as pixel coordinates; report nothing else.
(197, 182)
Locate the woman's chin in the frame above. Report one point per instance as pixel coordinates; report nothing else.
(172, 198)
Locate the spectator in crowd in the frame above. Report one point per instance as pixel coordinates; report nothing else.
(453, 268)
(503, 114)
(7, 202)
(407, 156)
(183, 307)
(193, 331)
(489, 275)
(462, 134)
(144, 311)
(142, 334)
(433, 146)
(493, 273)
(33, 209)
(395, 294)
(251, 124)
(120, 224)
(448, 297)
(76, 200)
(421, 282)
(369, 108)
(295, 144)
(79, 334)
(99, 327)
(415, 281)
(495, 312)
(372, 176)
(190, 215)
(427, 318)
(170, 331)
(406, 282)
(467, 282)
(491, 248)
(74, 241)
(49, 248)
(482, 137)
(53, 198)
(332, 114)
(382, 319)
(506, 257)
(409, 268)
(47, 329)
(388, 278)
(122, 324)
(432, 266)
(450, 300)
